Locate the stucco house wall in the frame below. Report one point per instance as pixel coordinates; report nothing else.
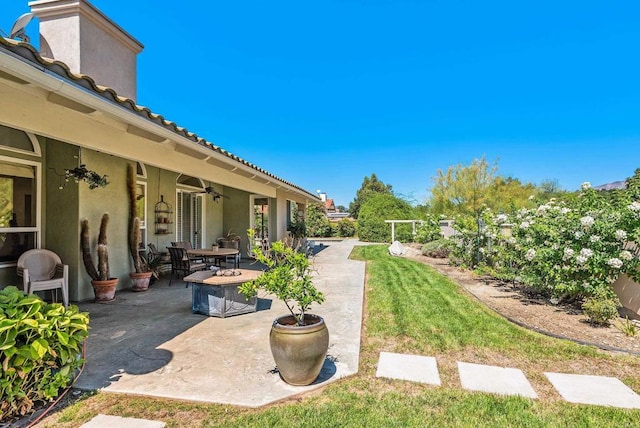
(67, 112)
(236, 213)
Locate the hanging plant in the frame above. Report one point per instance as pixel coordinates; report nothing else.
(81, 173)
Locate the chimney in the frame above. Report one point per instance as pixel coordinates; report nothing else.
(78, 34)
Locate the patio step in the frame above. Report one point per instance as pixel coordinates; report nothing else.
(107, 421)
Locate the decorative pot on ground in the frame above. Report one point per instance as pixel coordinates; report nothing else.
(140, 281)
(299, 341)
(299, 351)
(105, 291)
(104, 285)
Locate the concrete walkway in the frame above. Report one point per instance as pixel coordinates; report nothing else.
(151, 344)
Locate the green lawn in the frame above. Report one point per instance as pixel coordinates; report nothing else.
(411, 308)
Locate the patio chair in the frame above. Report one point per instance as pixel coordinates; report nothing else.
(161, 258)
(180, 262)
(41, 270)
(187, 246)
(155, 254)
(234, 260)
(182, 244)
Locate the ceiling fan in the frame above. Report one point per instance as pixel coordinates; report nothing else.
(215, 194)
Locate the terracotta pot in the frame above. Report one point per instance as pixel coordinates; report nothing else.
(299, 351)
(105, 291)
(140, 280)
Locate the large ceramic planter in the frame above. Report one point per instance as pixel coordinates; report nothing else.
(299, 351)
(105, 291)
(140, 280)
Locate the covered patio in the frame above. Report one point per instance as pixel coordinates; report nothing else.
(151, 344)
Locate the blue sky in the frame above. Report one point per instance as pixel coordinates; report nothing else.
(323, 93)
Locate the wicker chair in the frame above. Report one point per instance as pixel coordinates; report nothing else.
(180, 262)
(43, 270)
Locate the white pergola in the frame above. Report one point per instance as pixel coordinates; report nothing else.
(393, 226)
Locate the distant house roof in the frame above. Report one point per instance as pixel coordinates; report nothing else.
(329, 205)
(29, 54)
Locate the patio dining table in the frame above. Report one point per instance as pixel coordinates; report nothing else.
(217, 254)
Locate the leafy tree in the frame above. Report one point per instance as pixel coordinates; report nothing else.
(547, 190)
(341, 208)
(6, 201)
(463, 189)
(318, 224)
(468, 190)
(510, 194)
(378, 208)
(370, 186)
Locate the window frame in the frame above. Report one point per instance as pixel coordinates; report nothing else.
(37, 229)
(35, 144)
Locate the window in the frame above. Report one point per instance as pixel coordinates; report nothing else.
(18, 141)
(141, 203)
(19, 208)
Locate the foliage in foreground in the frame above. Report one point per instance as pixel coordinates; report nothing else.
(40, 347)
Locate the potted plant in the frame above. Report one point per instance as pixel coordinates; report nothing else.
(231, 240)
(141, 277)
(298, 230)
(299, 340)
(104, 286)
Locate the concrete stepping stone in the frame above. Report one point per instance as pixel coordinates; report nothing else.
(107, 421)
(414, 368)
(598, 390)
(493, 379)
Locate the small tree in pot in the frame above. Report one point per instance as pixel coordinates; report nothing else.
(299, 341)
(104, 286)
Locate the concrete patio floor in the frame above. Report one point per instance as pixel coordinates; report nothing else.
(151, 344)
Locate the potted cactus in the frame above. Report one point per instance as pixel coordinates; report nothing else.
(104, 286)
(141, 277)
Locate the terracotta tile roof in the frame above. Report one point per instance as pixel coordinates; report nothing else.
(328, 204)
(27, 52)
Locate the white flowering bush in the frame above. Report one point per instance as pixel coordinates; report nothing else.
(428, 230)
(573, 249)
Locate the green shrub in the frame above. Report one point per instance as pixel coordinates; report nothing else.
(346, 228)
(437, 249)
(40, 349)
(318, 225)
(628, 327)
(378, 208)
(601, 310)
